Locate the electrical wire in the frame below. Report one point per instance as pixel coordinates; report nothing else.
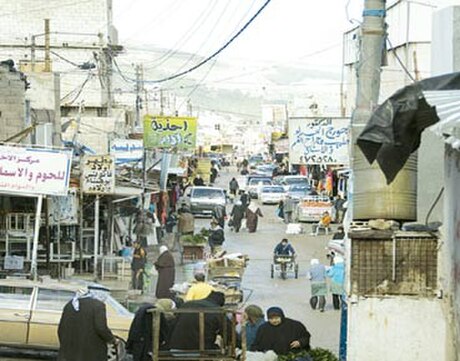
(400, 61)
(63, 58)
(187, 35)
(80, 90)
(213, 27)
(217, 52)
(433, 205)
(197, 85)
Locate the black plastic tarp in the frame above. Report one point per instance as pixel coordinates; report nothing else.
(395, 127)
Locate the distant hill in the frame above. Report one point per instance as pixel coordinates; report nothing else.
(230, 86)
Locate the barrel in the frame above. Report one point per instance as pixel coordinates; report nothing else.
(374, 199)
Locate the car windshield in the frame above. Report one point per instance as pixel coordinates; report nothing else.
(299, 188)
(257, 181)
(272, 190)
(296, 181)
(208, 193)
(119, 309)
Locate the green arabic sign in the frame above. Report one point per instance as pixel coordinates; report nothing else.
(170, 132)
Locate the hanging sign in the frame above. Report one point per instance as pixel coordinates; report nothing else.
(26, 170)
(170, 132)
(98, 174)
(127, 150)
(319, 140)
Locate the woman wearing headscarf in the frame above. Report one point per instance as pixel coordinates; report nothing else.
(281, 334)
(252, 217)
(317, 277)
(237, 215)
(254, 319)
(336, 273)
(166, 273)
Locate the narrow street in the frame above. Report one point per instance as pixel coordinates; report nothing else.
(291, 294)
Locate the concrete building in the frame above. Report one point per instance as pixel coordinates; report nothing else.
(384, 324)
(12, 102)
(72, 47)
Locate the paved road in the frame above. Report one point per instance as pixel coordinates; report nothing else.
(291, 294)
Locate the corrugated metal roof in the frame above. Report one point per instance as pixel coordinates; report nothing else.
(447, 103)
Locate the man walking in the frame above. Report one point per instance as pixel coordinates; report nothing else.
(83, 332)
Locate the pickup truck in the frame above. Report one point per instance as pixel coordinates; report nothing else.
(310, 208)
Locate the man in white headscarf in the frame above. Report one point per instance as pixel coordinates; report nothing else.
(165, 266)
(317, 277)
(83, 332)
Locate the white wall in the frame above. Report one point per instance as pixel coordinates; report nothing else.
(396, 329)
(451, 249)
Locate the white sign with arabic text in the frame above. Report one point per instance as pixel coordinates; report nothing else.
(26, 170)
(319, 140)
(98, 174)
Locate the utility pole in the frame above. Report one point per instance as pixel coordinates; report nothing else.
(372, 42)
(105, 73)
(47, 46)
(138, 89)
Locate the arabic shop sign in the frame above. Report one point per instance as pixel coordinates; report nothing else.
(319, 140)
(34, 170)
(170, 132)
(98, 174)
(127, 150)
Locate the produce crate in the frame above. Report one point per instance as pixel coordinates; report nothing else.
(192, 252)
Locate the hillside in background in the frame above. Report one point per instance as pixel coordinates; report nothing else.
(231, 86)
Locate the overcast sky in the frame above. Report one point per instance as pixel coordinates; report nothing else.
(309, 31)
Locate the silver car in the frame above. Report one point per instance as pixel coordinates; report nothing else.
(203, 200)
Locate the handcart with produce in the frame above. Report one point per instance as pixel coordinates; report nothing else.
(192, 246)
(226, 273)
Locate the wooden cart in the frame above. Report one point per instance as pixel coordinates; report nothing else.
(226, 351)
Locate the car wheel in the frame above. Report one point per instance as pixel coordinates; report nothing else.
(118, 352)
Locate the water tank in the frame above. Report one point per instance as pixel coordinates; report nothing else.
(373, 198)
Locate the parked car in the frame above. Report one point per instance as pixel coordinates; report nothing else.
(203, 200)
(271, 194)
(265, 170)
(30, 312)
(310, 208)
(255, 160)
(299, 191)
(288, 180)
(255, 184)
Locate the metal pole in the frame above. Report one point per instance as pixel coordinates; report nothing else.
(47, 46)
(81, 219)
(138, 96)
(38, 211)
(96, 234)
(32, 54)
(58, 237)
(368, 78)
(57, 133)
